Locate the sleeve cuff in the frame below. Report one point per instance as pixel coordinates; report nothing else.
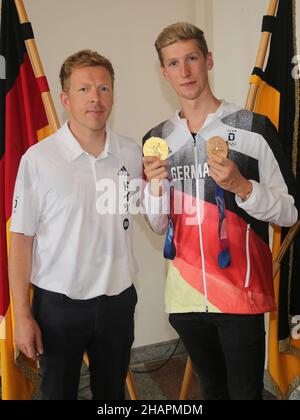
(251, 200)
(155, 204)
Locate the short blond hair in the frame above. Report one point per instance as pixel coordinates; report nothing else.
(83, 58)
(180, 31)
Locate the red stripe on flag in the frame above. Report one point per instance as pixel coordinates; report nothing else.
(4, 290)
(43, 84)
(25, 115)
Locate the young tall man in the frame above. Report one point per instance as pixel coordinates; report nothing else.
(78, 260)
(219, 284)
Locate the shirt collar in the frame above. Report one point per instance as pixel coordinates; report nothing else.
(218, 114)
(112, 145)
(74, 149)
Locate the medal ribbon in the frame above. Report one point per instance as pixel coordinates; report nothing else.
(224, 253)
(169, 247)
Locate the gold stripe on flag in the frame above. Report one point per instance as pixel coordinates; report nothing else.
(267, 100)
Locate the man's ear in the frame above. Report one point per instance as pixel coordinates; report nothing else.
(209, 61)
(163, 72)
(64, 98)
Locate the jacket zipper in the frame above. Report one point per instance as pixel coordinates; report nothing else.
(200, 228)
(247, 279)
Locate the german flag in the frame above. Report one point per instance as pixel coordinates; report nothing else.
(23, 122)
(278, 98)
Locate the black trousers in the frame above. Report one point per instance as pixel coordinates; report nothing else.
(103, 327)
(227, 351)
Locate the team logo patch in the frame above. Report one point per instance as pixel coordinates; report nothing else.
(126, 224)
(231, 138)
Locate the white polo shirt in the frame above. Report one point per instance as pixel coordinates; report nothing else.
(77, 251)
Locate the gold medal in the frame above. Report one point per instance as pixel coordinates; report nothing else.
(156, 146)
(216, 146)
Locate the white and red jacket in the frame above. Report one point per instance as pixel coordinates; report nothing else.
(195, 282)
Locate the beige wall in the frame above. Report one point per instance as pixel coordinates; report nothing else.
(124, 31)
(236, 35)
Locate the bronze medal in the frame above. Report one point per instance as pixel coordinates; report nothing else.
(216, 146)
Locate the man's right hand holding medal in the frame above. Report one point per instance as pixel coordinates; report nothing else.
(155, 152)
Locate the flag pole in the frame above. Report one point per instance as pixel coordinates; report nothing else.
(261, 56)
(38, 69)
(284, 247)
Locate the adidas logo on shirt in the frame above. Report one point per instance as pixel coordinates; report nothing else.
(123, 171)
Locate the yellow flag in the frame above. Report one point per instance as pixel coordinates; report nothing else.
(278, 98)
